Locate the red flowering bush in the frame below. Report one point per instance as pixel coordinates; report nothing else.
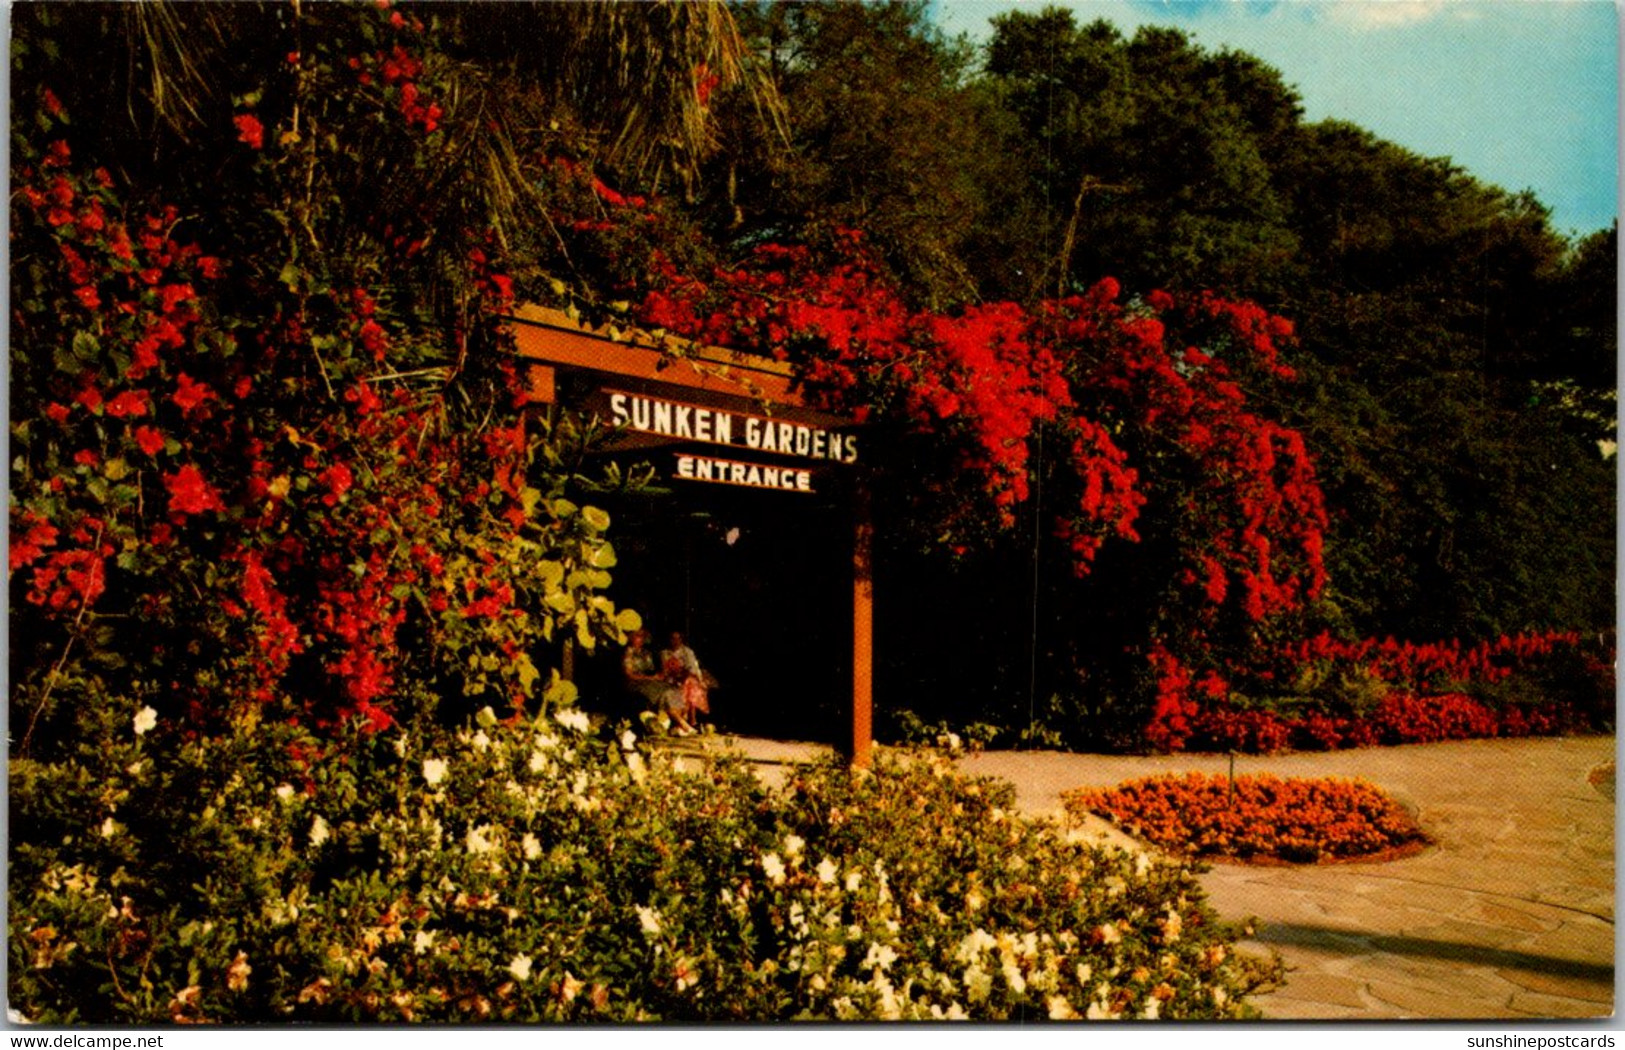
(243, 485)
(1291, 818)
(1143, 397)
(1331, 695)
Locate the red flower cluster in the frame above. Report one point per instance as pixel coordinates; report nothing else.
(1180, 723)
(1433, 664)
(1113, 379)
(190, 492)
(1291, 818)
(1189, 715)
(301, 566)
(399, 70)
(249, 130)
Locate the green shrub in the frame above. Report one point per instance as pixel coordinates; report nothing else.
(535, 872)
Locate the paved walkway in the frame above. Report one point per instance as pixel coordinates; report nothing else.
(1510, 914)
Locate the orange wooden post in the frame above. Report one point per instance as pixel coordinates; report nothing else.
(863, 594)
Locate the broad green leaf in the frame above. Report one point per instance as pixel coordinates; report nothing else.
(86, 347)
(551, 574)
(527, 673)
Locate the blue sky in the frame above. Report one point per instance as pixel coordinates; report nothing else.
(1521, 93)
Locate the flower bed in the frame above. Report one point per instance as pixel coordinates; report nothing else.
(1260, 817)
(533, 872)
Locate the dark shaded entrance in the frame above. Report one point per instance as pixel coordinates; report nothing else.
(756, 543)
(760, 585)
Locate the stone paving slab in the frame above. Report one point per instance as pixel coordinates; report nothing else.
(1510, 914)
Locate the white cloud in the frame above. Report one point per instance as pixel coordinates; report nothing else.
(1394, 14)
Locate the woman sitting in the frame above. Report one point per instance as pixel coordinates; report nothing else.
(645, 678)
(682, 672)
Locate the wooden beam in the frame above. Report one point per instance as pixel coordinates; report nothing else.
(542, 386)
(550, 336)
(863, 594)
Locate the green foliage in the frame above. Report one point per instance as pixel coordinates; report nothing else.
(532, 871)
(882, 133)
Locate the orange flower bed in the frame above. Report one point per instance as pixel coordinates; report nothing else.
(1298, 819)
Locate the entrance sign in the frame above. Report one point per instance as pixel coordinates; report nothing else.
(656, 415)
(570, 364)
(750, 475)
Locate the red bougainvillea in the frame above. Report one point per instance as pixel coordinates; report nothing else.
(271, 506)
(1122, 384)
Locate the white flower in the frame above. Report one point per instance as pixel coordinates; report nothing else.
(145, 719)
(1153, 1007)
(520, 967)
(793, 845)
(880, 955)
(284, 792)
(481, 741)
(318, 831)
(649, 919)
(1172, 926)
(1098, 1011)
(237, 973)
(476, 841)
(826, 871)
(1060, 1009)
(531, 846)
(629, 740)
(854, 879)
(975, 943)
(978, 983)
(109, 828)
(434, 770)
(573, 718)
(423, 941)
(773, 867)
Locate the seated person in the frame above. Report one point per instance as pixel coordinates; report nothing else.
(682, 672)
(644, 677)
